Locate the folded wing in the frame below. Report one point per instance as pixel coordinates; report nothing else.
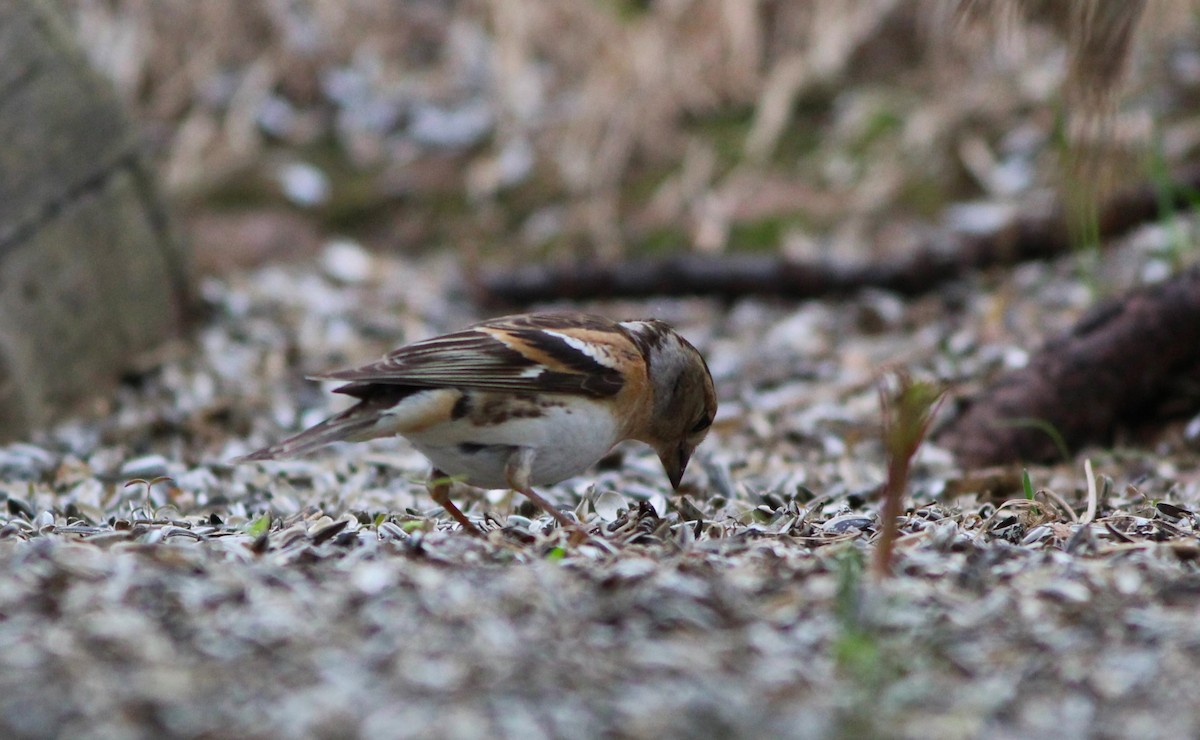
(544, 353)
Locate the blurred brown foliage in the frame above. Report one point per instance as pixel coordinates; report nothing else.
(596, 128)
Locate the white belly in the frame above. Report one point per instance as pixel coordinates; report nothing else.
(566, 440)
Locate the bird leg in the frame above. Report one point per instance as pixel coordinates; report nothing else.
(518, 470)
(439, 491)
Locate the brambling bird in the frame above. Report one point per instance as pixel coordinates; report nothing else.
(526, 400)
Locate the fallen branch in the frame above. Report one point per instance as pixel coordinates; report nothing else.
(951, 256)
(1114, 369)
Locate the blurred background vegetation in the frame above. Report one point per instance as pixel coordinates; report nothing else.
(524, 129)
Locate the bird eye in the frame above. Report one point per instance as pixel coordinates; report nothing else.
(704, 423)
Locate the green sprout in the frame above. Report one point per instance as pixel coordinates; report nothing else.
(908, 407)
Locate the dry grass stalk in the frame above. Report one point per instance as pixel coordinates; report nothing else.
(1099, 37)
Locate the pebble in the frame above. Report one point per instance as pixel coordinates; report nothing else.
(23, 461)
(347, 262)
(304, 184)
(146, 467)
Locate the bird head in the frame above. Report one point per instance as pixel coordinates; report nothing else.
(685, 402)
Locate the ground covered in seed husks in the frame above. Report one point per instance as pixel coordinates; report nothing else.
(330, 595)
(380, 148)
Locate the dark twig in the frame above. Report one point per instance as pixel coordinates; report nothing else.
(947, 257)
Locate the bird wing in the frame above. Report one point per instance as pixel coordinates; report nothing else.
(542, 353)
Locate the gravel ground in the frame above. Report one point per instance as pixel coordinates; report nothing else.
(330, 597)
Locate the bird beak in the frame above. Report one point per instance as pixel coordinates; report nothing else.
(675, 461)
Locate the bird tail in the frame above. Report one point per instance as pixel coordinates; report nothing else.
(355, 424)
